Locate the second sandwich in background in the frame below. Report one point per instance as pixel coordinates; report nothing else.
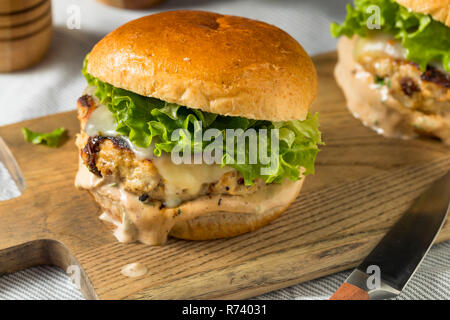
(394, 66)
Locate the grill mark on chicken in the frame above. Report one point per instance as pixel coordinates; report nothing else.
(408, 86)
(92, 147)
(119, 143)
(434, 75)
(86, 101)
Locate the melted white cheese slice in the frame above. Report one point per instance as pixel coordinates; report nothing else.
(187, 178)
(379, 44)
(101, 122)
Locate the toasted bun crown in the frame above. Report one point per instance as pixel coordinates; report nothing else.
(217, 63)
(438, 9)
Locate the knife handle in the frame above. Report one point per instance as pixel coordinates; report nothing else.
(349, 291)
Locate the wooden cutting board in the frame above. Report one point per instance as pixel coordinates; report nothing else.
(363, 183)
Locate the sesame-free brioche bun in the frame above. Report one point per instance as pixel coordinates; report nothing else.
(438, 9)
(216, 63)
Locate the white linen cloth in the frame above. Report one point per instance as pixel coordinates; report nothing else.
(54, 85)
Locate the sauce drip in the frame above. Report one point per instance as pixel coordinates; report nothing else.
(135, 269)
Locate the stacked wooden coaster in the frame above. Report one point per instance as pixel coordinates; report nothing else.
(131, 4)
(25, 32)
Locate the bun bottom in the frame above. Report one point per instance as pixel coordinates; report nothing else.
(380, 110)
(218, 225)
(200, 219)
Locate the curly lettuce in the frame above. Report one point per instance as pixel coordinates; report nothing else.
(147, 120)
(425, 40)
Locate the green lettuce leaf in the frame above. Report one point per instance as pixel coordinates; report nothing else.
(52, 139)
(146, 120)
(425, 40)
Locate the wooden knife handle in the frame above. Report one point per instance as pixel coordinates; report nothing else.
(348, 291)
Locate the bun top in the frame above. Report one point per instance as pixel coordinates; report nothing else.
(217, 63)
(438, 9)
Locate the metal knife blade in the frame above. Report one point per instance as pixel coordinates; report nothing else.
(400, 252)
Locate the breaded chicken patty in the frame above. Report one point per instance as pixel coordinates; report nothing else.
(427, 91)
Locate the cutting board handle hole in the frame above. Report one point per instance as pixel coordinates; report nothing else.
(12, 181)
